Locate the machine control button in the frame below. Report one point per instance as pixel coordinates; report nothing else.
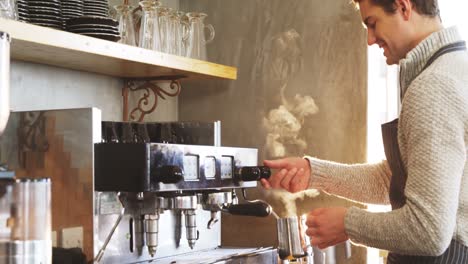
(191, 167)
(210, 167)
(227, 167)
(168, 174)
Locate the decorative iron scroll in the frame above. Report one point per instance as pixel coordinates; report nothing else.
(150, 89)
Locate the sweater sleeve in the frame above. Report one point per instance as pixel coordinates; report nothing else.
(365, 183)
(431, 135)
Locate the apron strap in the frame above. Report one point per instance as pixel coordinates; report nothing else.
(398, 183)
(392, 153)
(457, 46)
(390, 140)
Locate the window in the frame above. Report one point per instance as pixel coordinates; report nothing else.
(453, 12)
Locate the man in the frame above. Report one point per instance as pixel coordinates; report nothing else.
(425, 176)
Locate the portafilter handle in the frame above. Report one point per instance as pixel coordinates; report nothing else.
(258, 209)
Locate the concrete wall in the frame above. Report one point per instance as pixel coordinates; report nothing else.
(39, 87)
(301, 89)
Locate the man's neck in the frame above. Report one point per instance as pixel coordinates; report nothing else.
(424, 27)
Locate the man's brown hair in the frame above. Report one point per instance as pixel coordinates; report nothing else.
(424, 7)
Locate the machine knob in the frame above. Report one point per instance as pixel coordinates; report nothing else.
(168, 174)
(253, 173)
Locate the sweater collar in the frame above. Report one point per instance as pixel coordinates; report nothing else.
(416, 59)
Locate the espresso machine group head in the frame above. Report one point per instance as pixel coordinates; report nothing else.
(184, 179)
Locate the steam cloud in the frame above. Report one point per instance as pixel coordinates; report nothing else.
(284, 203)
(284, 123)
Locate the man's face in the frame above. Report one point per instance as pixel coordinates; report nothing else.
(389, 31)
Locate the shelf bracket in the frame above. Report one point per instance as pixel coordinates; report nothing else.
(150, 89)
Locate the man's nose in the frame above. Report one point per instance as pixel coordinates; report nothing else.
(371, 39)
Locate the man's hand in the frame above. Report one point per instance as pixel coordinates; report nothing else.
(326, 226)
(293, 174)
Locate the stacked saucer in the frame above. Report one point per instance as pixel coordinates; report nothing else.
(72, 9)
(45, 13)
(98, 8)
(94, 26)
(23, 10)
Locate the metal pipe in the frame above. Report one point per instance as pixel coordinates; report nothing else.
(191, 227)
(188, 205)
(151, 223)
(4, 80)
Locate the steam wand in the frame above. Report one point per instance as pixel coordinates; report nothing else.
(98, 257)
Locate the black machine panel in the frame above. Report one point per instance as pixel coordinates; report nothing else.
(158, 167)
(189, 132)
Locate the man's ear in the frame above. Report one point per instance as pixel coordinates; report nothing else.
(405, 8)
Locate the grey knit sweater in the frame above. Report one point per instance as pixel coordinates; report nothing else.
(433, 140)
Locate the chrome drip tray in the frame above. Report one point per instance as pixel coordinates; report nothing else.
(226, 255)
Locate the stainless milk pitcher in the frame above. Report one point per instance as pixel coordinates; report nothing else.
(4, 80)
(291, 238)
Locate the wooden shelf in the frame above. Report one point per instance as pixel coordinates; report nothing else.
(43, 45)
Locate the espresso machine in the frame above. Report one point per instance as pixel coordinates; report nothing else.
(160, 189)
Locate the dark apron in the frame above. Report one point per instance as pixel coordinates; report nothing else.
(457, 252)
